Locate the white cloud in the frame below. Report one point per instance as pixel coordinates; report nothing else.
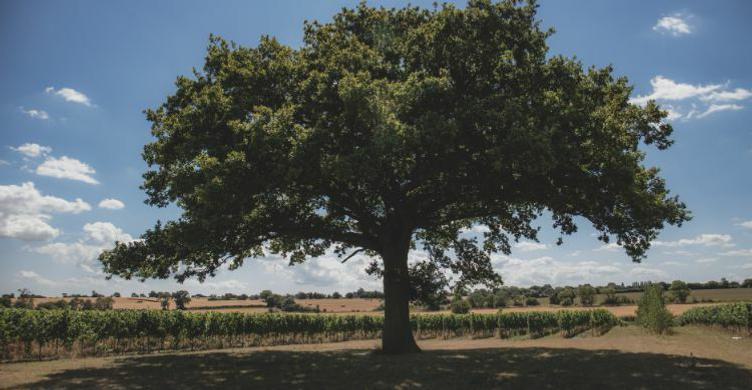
(703, 239)
(98, 236)
(667, 89)
(611, 247)
(327, 270)
(724, 96)
(32, 150)
(27, 227)
(36, 278)
(738, 252)
(111, 204)
(745, 224)
(475, 229)
(224, 286)
(36, 114)
(675, 25)
(543, 270)
(67, 168)
(105, 232)
(679, 253)
(70, 253)
(718, 108)
(529, 246)
(704, 99)
(706, 260)
(24, 212)
(70, 95)
(645, 273)
(672, 114)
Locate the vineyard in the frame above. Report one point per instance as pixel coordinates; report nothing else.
(734, 316)
(39, 334)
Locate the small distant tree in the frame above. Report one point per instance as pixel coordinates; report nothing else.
(587, 294)
(103, 303)
(164, 301)
(181, 298)
(265, 294)
(651, 310)
(336, 295)
(288, 303)
(134, 295)
(500, 298)
(567, 296)
(747, 283)
(25, 299)
(116, 295)
(679, 291)
(553, 297)
(273, 301)
(460, 306)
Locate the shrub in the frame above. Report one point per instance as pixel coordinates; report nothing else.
(460, 306)
(566, 297)
(103, 303)
(679, 291)
(24, 303)
(651, 311)
(181, 299)
(59, 304)
(500, 298)
(531, 301)
(616, 300)
(587, 294)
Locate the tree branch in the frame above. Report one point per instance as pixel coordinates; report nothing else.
(352, 254)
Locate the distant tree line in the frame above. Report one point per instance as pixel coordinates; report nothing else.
(429, 290)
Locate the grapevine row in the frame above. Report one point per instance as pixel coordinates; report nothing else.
(736, 316)
(26, 334)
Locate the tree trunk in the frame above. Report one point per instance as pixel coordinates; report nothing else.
(397, 336)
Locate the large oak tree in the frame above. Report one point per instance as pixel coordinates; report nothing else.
(391, 129)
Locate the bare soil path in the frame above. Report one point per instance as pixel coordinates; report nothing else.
(626, 357)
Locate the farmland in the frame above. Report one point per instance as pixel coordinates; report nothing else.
(370, 306)
(346, 306)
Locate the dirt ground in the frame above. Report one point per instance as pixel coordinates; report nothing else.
(626, 357)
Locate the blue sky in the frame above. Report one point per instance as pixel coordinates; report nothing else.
(76, 76)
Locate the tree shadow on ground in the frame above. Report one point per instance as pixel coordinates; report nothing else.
(533, 368)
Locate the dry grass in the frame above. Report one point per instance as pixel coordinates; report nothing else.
(692, 358)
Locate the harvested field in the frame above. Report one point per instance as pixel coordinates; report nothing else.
(359, 305)
(626, 357)
(354, 305)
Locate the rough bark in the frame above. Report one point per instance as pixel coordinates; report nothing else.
(397, 336)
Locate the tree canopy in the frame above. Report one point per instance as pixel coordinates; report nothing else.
(391, 129)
